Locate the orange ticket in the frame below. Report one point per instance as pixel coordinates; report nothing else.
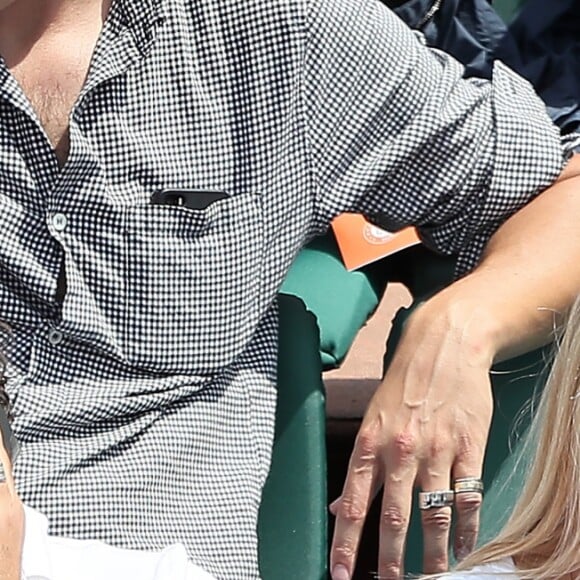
(361, 242)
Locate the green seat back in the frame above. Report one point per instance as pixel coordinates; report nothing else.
(293, 515)
(319, 293)
(505, 490)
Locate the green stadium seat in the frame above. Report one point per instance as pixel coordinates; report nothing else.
(293, 522)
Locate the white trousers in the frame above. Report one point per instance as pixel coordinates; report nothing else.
(52, 558)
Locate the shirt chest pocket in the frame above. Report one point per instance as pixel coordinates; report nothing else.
(193, 278)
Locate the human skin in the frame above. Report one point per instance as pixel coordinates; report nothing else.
(29, 28)
(428, 421)
(25, 14)
(11, 524)
(432, 411)
(48, 47)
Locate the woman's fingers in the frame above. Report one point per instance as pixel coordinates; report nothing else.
(436, 500)
(468, 499)
(353, 505)
(427, 423)
(396, 507)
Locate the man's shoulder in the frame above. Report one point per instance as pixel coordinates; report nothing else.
(262, 11)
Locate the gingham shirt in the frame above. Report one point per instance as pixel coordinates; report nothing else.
(144, 393)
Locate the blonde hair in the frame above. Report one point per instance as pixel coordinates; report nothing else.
(543, 532)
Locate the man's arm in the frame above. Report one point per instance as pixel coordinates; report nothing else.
(428, 421)
(11, 522)
(395, 132)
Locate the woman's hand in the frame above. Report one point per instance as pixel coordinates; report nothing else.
(11, 523)
(428, 422)
(426, 426)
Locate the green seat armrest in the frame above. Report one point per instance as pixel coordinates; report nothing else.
(341, 300)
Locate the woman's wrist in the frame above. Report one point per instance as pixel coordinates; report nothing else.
(493, 316)
(478, 326)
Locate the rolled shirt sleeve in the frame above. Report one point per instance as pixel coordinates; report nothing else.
(396, 133)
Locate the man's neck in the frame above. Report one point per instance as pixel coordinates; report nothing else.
(25, 23)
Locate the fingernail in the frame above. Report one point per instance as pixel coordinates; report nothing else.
(333, 506)
(339, 572)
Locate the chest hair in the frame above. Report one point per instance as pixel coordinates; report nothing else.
(52, 90)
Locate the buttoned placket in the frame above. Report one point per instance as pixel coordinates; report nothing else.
(116, 51)
(43, 172)
(118, 48)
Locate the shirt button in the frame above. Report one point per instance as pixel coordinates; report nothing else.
(55, 337)
(59, 222)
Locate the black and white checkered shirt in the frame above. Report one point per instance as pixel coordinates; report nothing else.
(144, 382)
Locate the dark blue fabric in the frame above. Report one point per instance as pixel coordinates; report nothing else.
(542, 44)
(470, 30)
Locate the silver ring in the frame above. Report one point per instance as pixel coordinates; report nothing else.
(468, 485)
(436, 499)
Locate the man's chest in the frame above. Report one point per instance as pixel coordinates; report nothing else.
(52, 82)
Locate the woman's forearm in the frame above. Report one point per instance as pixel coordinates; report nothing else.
(529, 275)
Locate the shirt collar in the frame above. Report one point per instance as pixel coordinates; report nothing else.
(141, 18)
